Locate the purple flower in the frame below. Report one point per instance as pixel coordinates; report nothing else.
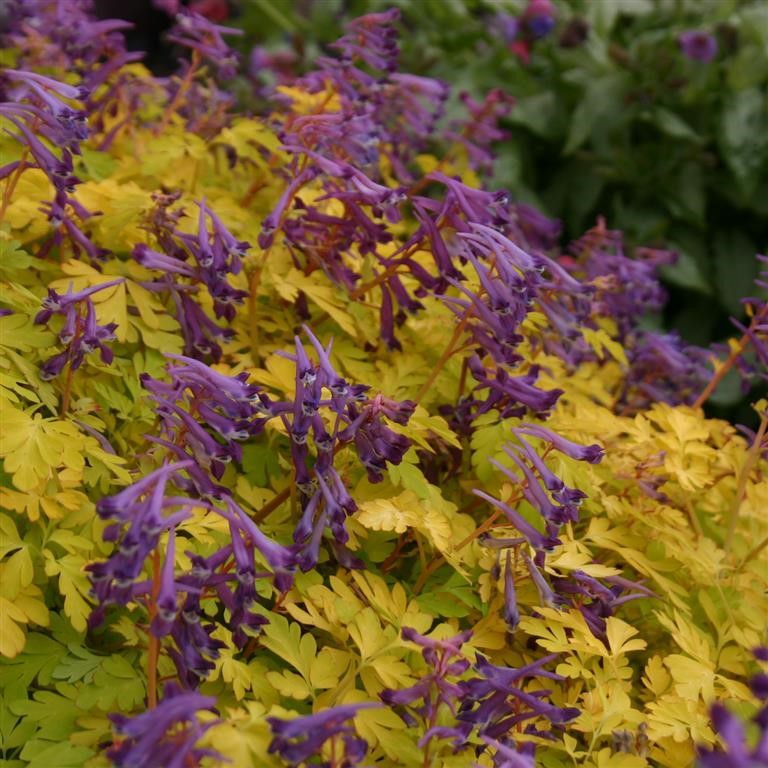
(737, 752)
(194, 31)
(508, 757)
(165, 735)
(698, 45)
(507, 26)
(534, 538)
(437, 690)
(302, 738)
(539, 18)
(496, 700)
(590, 453)
(511, 612)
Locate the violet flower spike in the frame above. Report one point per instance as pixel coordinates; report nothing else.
(589, 453)
(154, 738)
(511, 612)
(299, 739)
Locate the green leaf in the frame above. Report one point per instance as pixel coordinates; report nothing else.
(743, 135)
(671, 124)
(39, 658)
(735, 267)
(44, 754)
(79, 664)
(115, 686)
(599, 107)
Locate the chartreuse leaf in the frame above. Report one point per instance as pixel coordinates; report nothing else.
(316, 671)
(34, 447)
(73, 585)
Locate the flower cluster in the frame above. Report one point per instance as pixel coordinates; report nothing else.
(166, 735)
(80, 333)
(346, 415)
(437, 692)
(189, 262)
(302, 738)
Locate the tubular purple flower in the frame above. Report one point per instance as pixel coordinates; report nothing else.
(119, 505)
(338, 386)
(167, 599)
(508, 757)
(546, 595)
(589, 453)
(494, 241)
(155, 738)
(151, 259)
(278, 556)
(551, 481)
(511, 612)
(297, 740)
(534, 538)
(63, 89)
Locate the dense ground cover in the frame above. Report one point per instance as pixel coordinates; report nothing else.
(318, 451)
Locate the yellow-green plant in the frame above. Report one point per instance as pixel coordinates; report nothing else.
(302, 425)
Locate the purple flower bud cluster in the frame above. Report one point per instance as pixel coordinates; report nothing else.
(298, 740)
(198, 34)
(165, 735)
(499, 700)
(480, 130)
(43, 116)
(81, 333)
(204, 418)
(189, 262)
(740, 751)
(754, 366)
(227, 410)
(540, 487)
(346, 415)
(662, 368)
(60, 36)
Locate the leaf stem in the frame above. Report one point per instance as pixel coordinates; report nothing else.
(184, 86)
(449, 350)
(272, 504)
(66, 394)
(12, 182)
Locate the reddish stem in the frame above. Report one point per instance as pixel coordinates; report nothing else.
(154, 642)
(731, 359)
(184, 86)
